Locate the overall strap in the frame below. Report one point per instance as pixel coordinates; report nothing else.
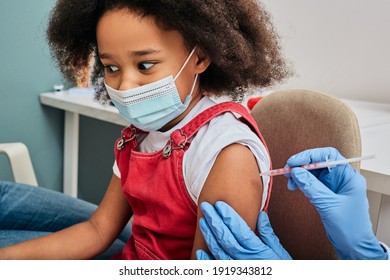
(181, 137)
(204, 117)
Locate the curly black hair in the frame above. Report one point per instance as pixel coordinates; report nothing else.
(237, 36)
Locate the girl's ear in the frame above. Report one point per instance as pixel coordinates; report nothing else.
(203, 61)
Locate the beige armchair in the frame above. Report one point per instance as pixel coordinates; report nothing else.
(292, 121)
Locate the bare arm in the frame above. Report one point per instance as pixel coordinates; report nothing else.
(234, 179)
(81, 241)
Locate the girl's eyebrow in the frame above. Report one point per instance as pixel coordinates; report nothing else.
(104, 55)
(144, 52)
(133, 53)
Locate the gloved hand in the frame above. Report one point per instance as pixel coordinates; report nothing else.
(340, 198)
(229, 237)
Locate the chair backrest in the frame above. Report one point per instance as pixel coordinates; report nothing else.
(292, 121)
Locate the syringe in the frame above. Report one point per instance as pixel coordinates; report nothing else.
(316, 165)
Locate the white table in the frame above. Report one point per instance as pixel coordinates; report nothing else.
(75, 104)
(374, 121)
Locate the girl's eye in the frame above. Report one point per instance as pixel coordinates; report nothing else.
(145, 65)
(111, 68)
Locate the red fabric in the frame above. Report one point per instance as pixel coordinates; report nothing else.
(164, 213)
(253, 101)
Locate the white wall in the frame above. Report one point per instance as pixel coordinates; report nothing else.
(341, 47)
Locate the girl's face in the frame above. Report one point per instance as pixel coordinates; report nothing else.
(135, 51)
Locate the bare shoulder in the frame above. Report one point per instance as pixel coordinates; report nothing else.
(234, 178)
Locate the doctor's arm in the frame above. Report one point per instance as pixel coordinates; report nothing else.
(339, 195)
(340, 198)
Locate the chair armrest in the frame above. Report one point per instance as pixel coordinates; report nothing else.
(20, 162)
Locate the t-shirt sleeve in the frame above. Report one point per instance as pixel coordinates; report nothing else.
(208, 143)
(115, 169)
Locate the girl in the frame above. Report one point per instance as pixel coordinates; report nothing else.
(159, 62)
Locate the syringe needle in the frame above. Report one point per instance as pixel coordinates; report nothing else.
(315, 165)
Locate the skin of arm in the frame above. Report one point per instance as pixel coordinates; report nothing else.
(234, 178)
(81, 241)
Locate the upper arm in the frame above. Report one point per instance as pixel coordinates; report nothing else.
(113, 212)
(234, 178)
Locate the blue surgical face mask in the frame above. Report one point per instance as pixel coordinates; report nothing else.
(150, 107)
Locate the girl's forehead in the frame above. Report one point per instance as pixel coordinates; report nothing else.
(119, 28)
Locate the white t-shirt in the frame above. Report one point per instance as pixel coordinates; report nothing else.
(198, 160)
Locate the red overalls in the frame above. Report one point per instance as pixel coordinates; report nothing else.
(165, 216)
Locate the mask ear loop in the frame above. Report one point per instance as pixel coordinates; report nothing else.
(184, 64)
(193, 85)
(182, 68)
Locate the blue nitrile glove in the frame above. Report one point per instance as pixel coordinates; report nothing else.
(340, 198)
(229, 237)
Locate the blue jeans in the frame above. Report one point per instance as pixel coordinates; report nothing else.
(29, 212)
